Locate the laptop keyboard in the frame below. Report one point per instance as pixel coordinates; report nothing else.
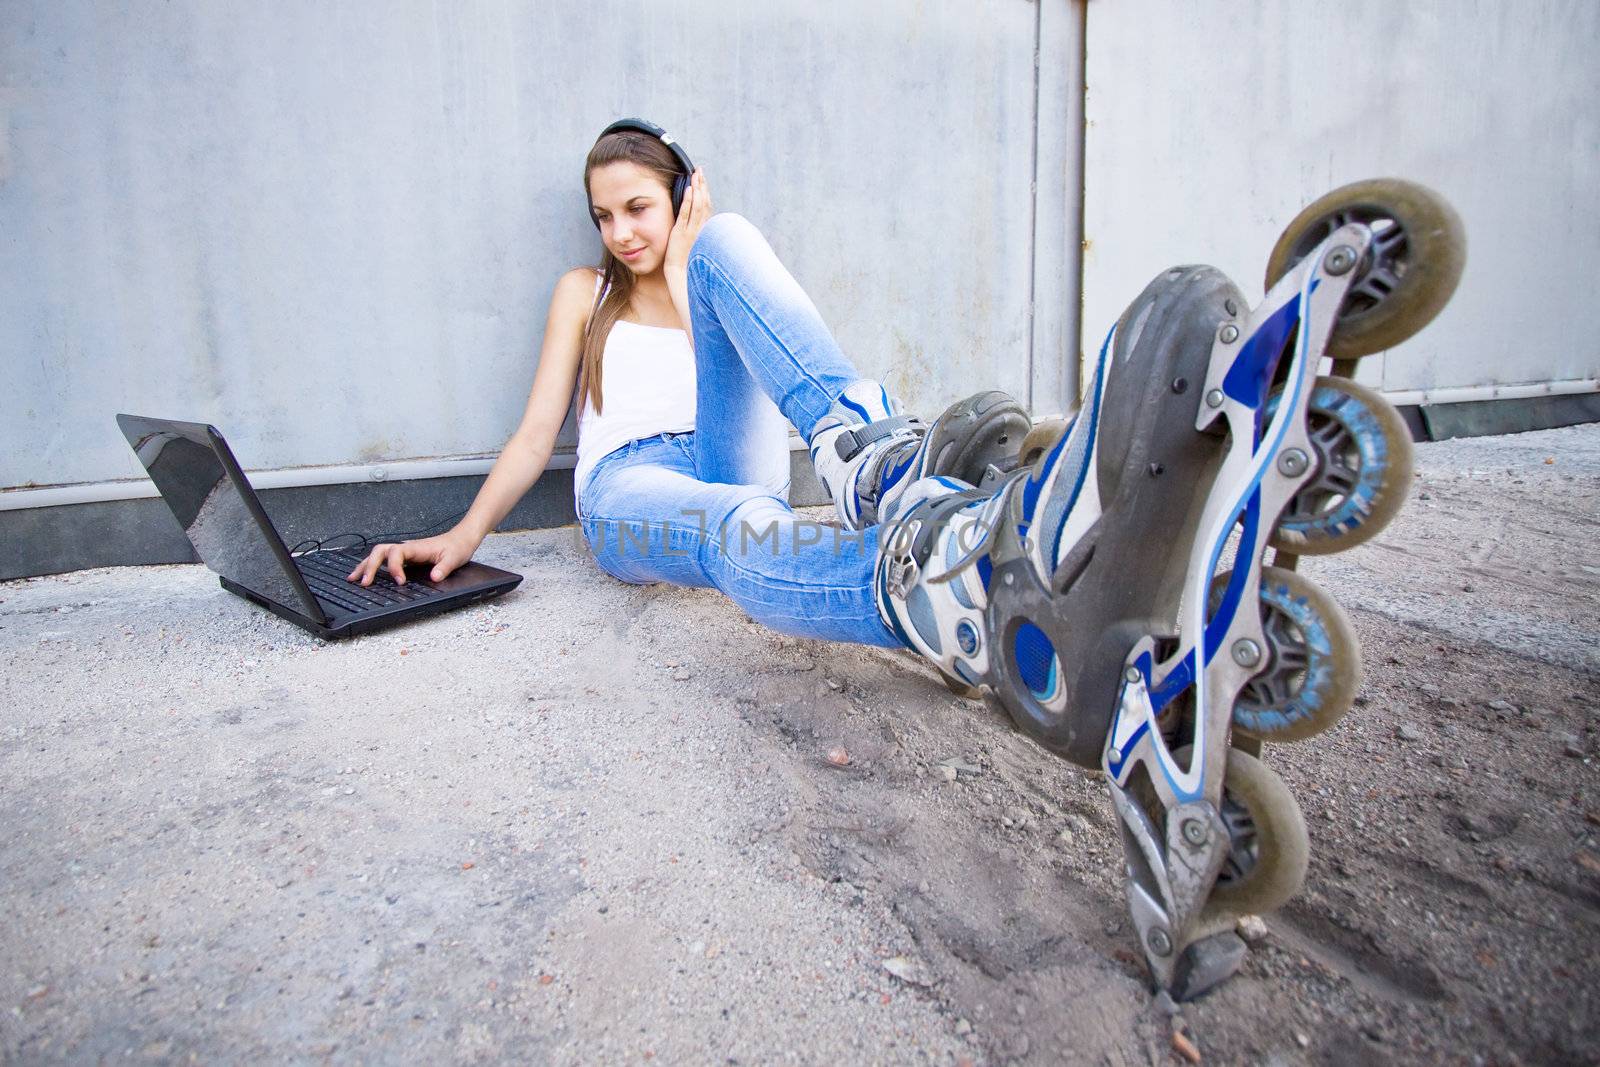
(324, 572)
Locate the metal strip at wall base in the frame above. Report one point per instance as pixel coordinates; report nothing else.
(140, 530)
(1485, 418)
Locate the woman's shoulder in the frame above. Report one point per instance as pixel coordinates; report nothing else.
(575, 291)
(581, 279)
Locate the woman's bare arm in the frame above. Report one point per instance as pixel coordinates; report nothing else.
(525, 455)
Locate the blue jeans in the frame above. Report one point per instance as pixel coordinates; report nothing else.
(707, 508)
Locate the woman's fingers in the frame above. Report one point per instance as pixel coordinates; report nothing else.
(438, 556)
(447, 564)
(702, 199)
(368, 567)
(685, 209)
(397, 564)
(393, 556)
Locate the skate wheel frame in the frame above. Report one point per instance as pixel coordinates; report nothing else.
(1220, 643)
(1418, 251)
(1362, 471)
(1313, 661)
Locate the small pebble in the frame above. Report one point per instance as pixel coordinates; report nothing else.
(907, 970)
(1252, 928)
(1408, 731)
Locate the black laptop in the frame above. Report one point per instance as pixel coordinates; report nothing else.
(206, 489)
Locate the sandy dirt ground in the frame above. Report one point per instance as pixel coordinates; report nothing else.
(597, 823)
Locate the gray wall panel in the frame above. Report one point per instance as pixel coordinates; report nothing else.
(205, 207)
(1212, 123)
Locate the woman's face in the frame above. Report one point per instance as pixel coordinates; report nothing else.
(635, 214)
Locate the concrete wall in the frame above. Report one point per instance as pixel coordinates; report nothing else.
(1211, 123)
(333, 229)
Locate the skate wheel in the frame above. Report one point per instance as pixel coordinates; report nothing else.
(1363, 471)
(1041, 439)
(1269, 848)
(1412, 268)
(1313, 661)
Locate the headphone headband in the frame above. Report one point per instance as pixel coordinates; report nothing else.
(680, 184)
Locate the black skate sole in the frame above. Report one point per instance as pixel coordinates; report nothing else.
(1124, 580)
(984, 429)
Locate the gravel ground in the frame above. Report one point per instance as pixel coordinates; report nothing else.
(597, 823)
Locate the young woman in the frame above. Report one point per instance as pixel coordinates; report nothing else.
(691, 349)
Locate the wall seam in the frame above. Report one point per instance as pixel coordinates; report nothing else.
(1033, 204)
(1079, 164)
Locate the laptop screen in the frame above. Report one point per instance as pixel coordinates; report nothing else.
(213, 511)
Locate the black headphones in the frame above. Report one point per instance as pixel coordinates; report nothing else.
(679, 184)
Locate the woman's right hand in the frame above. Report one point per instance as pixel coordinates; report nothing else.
(446, 552)
(692, 215)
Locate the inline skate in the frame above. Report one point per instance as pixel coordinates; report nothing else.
(1110, 591)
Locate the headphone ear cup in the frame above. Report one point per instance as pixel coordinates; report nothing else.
(680, 185)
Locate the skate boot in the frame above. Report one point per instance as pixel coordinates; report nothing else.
(866, 451)
(1113, 597)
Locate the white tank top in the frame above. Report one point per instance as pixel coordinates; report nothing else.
(648, 379)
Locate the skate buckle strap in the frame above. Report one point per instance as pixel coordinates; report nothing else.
(909, 543)
(850, 443)
(986, 529)
(901, 576)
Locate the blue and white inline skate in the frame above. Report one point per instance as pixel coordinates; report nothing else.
(1111, 594)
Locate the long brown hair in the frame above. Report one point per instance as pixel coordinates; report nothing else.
(616, 290)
